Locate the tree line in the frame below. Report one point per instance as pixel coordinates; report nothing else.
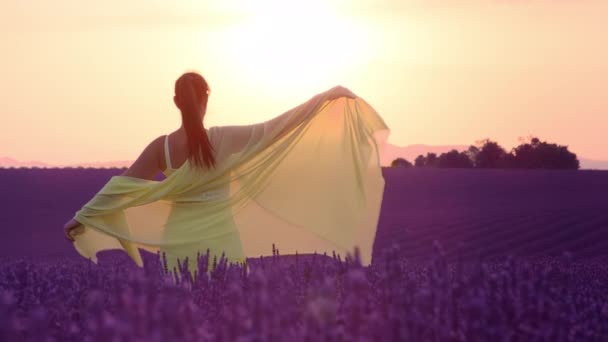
(488, 154)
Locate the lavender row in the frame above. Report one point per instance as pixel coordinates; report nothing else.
(304, 298)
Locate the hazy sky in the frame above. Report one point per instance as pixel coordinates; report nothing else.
(86, 81)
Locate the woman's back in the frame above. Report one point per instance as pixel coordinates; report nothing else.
(174, 157)
(175, 152)
(173, 160)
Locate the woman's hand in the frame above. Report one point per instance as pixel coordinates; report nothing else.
(70, 229)
(339, 91)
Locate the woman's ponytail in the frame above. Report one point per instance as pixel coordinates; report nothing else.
(193, 92)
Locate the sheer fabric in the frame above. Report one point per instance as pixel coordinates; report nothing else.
(309, 180)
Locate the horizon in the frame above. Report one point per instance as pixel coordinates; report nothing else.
(388, 154)
(100, 75)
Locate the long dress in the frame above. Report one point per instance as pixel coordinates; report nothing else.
(308, 181)
(230, 241)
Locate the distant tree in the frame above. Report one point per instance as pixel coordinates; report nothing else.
(531, 154)
(454, 159)
(537, 154)
(472, 153)
(491, 155)
(431, 160)
(401, 162)
(508, 161)
(420, 161)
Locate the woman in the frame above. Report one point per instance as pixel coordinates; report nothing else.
(308, 180)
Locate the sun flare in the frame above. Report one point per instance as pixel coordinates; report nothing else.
(284, 42)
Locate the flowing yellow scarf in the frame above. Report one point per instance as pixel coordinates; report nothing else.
(309, 182)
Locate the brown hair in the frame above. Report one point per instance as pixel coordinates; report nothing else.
(193, 92)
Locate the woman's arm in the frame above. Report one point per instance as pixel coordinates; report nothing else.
(240, 136)
(147, 165)
(69, 227)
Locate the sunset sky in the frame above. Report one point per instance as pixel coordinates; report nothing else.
(86, 81)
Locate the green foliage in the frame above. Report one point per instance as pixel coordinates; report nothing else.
(430, 160)
(420, 161)
(454, 159)
(401, 162)
(488, 154)
(491, 155)
(538, 154)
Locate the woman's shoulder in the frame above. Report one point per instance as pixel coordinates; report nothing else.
(157, 143)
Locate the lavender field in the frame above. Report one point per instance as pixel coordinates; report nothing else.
(460, 255)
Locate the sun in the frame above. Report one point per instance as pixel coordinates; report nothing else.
(289, 42)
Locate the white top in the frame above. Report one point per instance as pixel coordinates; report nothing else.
(167, 157)
(169, 169)
(207, 195)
